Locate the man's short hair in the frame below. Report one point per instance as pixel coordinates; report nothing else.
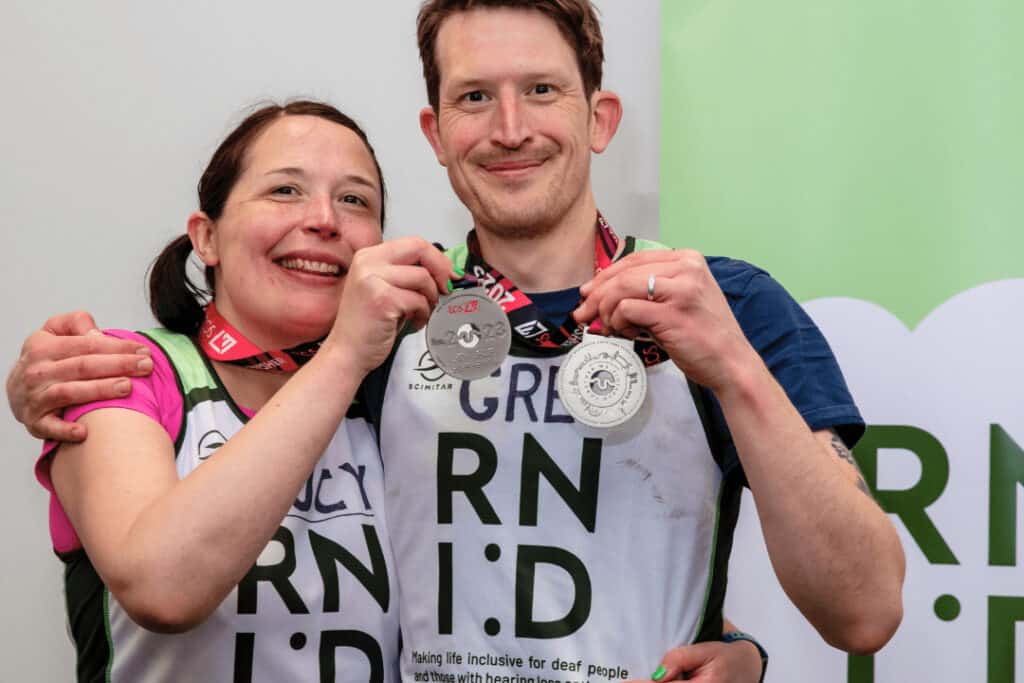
(576, 20)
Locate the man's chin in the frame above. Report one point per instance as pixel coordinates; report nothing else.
(518, 218)
(517, 226)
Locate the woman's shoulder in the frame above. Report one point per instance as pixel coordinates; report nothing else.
(156, 394)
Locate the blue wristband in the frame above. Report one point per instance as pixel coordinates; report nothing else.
(733, 636)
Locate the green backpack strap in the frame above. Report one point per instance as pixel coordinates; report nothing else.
(458, 255)
(647, 245)
(195, 380)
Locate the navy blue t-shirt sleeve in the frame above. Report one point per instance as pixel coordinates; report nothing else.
(793, 348)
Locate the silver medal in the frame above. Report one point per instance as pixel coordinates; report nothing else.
(468, 334)
(602, 382)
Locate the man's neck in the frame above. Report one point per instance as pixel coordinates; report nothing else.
(561, 258)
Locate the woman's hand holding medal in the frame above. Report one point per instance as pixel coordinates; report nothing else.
(672, 296)
(468, 334)
(387, 285)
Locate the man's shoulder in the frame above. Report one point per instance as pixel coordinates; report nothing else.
(760, 303)
(737, 277)
(734, 276)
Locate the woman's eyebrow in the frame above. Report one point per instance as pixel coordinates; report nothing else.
(355, 178)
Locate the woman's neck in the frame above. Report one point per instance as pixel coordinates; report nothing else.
(249, 388)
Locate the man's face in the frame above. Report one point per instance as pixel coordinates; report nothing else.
(513, 127)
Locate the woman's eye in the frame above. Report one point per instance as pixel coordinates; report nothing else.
(285, 190)
(353, 199)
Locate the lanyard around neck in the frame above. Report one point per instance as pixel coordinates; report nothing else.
(220, 341)
(530, 326)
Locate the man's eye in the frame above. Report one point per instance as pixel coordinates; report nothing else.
(475, 96)
(542, 88)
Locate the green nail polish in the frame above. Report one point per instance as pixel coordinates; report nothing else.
(658, 673)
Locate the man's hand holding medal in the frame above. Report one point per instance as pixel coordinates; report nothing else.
(673, 297)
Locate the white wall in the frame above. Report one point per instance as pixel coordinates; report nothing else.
(110, 112)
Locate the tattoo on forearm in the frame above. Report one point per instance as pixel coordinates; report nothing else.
(844, 454)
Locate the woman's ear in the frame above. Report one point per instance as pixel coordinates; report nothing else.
(202, 232)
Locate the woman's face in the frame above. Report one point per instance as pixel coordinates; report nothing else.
(307, 199)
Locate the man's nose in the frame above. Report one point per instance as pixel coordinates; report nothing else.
(511, 127)
(322, 219)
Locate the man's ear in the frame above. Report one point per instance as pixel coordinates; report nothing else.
(605, 114)
(202, 234)
(428, 124)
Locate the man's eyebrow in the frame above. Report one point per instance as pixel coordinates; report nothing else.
(543, 76)
(467, 84)
(472, 83)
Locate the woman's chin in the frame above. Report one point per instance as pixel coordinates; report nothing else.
(304, 327)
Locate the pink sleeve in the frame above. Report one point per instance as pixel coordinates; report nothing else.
(156, 396)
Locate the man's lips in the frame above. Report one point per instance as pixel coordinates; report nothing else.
(512, 167)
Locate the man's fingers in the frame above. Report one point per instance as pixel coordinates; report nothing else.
(50, 348)
(636, 259)
(606, 299)
(55, 429)
(84, 368)
(64, 394)
(685, 659)
(631, 317)
(701, 662)
(604, 293)
(74, 323)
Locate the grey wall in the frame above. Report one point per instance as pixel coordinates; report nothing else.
(110, 111)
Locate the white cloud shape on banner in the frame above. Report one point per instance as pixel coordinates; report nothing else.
(959, 372)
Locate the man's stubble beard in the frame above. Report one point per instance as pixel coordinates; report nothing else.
(512, 219)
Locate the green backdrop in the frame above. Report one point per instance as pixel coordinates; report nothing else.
(870, 149)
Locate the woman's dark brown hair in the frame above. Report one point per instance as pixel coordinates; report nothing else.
(175, 300)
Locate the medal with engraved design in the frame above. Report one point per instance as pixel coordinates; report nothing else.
(468, 334)
(602, 382)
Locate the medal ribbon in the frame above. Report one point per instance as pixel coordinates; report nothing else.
(220, 341)
(529, 324)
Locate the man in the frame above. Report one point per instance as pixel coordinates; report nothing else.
(605, 547)
(620, 553)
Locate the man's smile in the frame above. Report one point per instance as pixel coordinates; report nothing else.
(513, 169)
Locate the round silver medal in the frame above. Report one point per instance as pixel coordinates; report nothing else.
(602, 382)
(468, 334)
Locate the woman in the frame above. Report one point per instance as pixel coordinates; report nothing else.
(152, 539)
(177, 571)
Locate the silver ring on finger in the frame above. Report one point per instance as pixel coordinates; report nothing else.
(650, 287)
